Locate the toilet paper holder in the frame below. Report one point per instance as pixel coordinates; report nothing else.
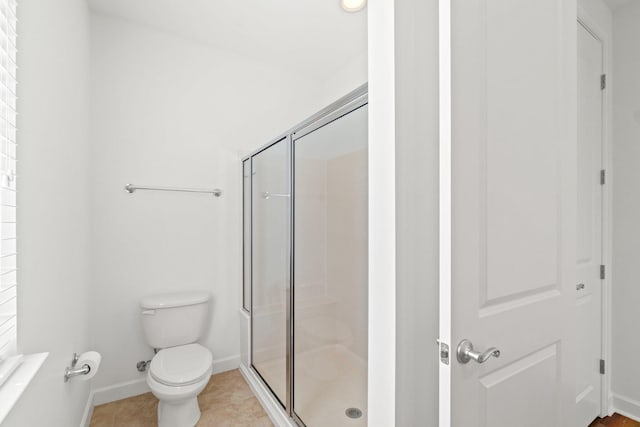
(72, 371)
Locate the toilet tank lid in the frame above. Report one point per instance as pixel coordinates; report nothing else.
(175, 299)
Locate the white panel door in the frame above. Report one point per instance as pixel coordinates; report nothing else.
(589, 229)
(513, 211)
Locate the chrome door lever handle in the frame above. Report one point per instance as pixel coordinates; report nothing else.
(465, 353)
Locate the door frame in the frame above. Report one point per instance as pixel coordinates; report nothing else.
(444, 202)
(593, 27)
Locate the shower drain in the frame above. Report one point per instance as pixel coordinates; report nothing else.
(353, 412)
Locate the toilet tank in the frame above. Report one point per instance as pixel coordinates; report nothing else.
(169, 320)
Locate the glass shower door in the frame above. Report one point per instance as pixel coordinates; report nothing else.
(330, 272)
(270, 188)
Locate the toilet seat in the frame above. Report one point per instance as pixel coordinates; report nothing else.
(182, 365)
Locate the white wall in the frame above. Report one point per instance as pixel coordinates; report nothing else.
(53, 215)
(167, 111)
(597, 12)
(417, 212)
(347, 78)
(626, 206)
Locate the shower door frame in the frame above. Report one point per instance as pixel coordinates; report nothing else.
(338, 109)
(282, 139)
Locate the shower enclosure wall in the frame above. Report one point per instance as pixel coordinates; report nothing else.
(305, 265)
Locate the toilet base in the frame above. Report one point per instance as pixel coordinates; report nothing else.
(183, 413)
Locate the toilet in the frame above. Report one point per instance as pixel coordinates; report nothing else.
(181, 368)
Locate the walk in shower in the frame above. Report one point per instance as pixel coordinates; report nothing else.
(305, 265)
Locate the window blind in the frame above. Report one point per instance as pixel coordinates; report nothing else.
(8, 177)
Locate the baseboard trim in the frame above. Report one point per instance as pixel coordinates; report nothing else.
(610, 408)
(133, 388)
(88, 411)
(269, 403)
(119, 391)
(226, 364)
(625, 406)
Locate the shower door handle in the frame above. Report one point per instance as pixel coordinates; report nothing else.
(465, 353)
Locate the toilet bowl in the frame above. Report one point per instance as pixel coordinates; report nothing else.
(176, 376)
(181, 368)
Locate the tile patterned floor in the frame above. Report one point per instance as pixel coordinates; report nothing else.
(227, 401)
(615, 420)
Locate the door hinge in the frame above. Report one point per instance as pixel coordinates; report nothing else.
(602, 176)
(603, 81)
(602, 366)
(602, 272)
(444, 352)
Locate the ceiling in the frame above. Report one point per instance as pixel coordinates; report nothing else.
(315, 37)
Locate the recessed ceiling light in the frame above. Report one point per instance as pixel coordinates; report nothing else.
(353, 5)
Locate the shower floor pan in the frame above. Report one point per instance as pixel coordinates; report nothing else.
(330, 380)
